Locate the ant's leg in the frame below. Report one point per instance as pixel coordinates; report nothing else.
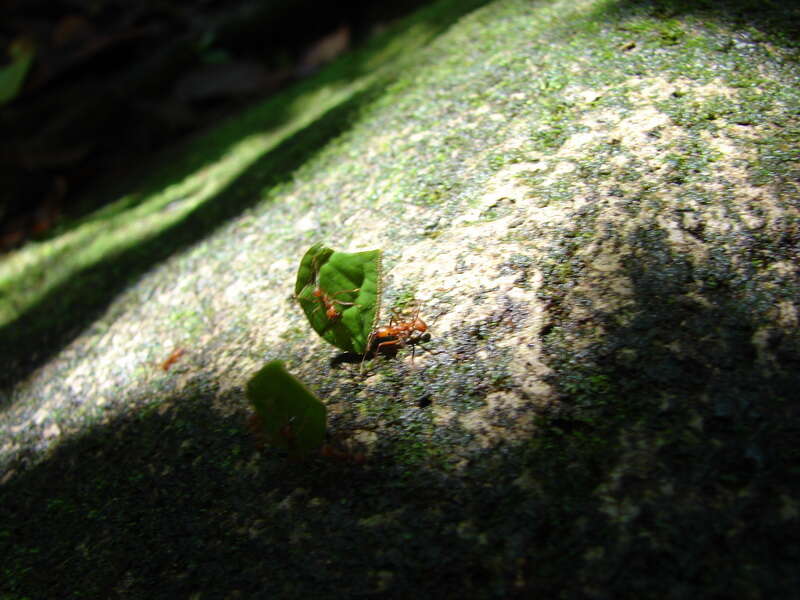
(320, 304)
(416, 314)
(332, 297)
(382, 344)
(342, 302)
(397, 342)
(346, 291)
(429, 351)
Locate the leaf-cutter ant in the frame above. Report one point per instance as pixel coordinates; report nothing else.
(172, 358)
(255, 424)
(287, 432)
(329, 302)
(399, 333)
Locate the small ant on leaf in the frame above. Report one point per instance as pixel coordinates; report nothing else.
(330, 302)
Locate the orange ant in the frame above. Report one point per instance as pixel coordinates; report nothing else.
(331, 451)
(255, 424)
(329, 302)
(286, 433)
(172, 359)
(398, 334)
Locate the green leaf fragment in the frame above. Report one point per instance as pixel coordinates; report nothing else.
(293, 418)
(12, 76)
(347, 288)
(308, 272)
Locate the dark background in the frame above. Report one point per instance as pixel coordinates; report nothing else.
(114, 81)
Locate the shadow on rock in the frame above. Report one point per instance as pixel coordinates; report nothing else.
(671, 467)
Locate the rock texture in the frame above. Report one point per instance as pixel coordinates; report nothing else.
(595, 204)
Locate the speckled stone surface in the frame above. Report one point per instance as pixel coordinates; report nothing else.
(596, 205)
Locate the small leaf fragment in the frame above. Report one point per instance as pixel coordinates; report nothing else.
(22, 51)
(293, 418)
(310, 264)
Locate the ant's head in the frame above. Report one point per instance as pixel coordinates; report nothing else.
(419, 325)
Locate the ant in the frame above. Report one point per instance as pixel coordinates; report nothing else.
(329, 302)
(398, 334)
(172, 358)
(287, 433)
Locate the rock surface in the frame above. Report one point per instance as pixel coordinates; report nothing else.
(596, 205)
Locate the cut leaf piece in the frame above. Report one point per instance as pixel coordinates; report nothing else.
(308, 271)
(340, 294)
(293, 418)
(22, 51)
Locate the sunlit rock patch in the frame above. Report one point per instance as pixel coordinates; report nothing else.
(523, 218)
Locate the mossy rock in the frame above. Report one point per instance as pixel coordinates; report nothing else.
(594, 206)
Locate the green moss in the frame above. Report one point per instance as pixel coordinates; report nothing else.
(667, 421)
(187, 194)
